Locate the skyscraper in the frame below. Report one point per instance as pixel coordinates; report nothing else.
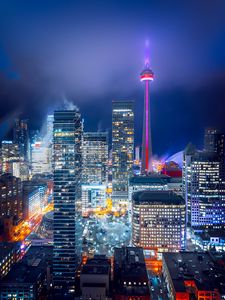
(146, 160)
(21, 137)
(214, 141)
(122, 144)
(95, 157)
(67, 136)
(204, 187)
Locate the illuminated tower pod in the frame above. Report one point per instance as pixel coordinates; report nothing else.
(146, 162)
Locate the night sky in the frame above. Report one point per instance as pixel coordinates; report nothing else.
(90, 52)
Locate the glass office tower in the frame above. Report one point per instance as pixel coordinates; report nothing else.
(67, 137)
(122, 144)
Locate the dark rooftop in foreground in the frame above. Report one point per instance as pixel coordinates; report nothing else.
(32, 265)
(99, 264)
(130, 274)
(6, 248)
(157, 197)
(199, 267)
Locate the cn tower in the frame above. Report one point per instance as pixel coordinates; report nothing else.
(146, 159)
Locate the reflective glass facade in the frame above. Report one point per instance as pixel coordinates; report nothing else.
(204, 188)
(122, 144)
(67, 136)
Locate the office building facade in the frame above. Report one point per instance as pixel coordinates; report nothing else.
(204, 188)
(95, 157)
(214, 141)
(21, 137)
(67, 162)
(122, 144)
(158, 221)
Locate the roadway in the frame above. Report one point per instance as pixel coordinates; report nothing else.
(26, 227)
(158, 288)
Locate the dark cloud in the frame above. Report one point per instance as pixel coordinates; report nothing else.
(93, 51)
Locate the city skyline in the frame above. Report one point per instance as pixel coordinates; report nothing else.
(112, 186)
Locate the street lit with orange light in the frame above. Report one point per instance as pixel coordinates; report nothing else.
(24, 228)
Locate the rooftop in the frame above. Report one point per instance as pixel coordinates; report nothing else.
(129, 266)
(150, 179)
(7, 248)
(157, 197)
(195, 266)
(31, 267)
(99, 264)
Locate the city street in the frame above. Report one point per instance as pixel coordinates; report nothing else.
(158, 288)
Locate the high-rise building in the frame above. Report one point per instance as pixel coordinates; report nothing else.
(10, 156)
(158, 221)
(11, 201)
(122, 144)
(214, 141)
(49, 139)
(204, 187)
(146, 76)
(40, 158)
(95, 157)
(67, 162)
(21, 137)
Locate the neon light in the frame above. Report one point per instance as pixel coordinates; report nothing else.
(147, 77)
(146, 124)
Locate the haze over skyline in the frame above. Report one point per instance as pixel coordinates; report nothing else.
(92, 53)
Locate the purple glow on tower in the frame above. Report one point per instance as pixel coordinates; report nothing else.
(146, 121)
(146, 75)
(147, 56)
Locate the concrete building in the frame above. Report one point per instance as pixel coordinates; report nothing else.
(130, 275)
(40, 158)
(27, 278)
(193, 275)
(95, 278)
(34, 197)
(122, 147)
(93, 196)
(158, 221)
(146, 77)
(154, 182)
